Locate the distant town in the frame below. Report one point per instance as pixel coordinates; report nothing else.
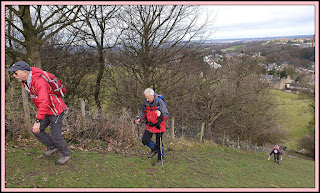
(275, 73)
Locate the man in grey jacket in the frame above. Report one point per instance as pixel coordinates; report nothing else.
(155, 112)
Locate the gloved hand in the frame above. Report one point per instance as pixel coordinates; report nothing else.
(160, 119)
(137, 121)
(158, 125)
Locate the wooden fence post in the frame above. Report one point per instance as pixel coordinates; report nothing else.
(224, 138)
(201, 132)
(83, 108)
(172, 128)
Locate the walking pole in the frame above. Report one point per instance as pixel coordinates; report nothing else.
(161, 150)
(138, 129)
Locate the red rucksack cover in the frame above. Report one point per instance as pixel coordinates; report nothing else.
(55, 83)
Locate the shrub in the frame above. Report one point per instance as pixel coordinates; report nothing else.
(117, 132)
(307, 142)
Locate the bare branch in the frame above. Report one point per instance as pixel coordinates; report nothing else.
(61, 27)
(16, 12)
(15, 39)
(58, 21)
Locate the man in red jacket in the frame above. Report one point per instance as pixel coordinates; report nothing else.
(155, 112)
(50, 110)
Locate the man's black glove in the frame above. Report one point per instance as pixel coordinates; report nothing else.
(158, 125)
(160, 119)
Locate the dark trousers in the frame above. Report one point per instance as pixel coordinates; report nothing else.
(276, 158)
(55, 139)
(147, 138)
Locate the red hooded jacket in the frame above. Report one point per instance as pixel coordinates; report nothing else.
(43, 96)
(149, 112)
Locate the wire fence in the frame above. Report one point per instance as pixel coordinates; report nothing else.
(116, 131)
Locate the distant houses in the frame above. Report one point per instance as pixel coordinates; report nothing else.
(306, 77)
(297, 88)
(304, 45)
(229, 55)
(286, 84)
(256, 54)
(213, 60)
(276, 82)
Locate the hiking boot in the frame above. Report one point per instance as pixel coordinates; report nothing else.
(63, 160)
(48, 153)
(158, 162)
(152, 153)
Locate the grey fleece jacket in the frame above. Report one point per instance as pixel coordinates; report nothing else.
(163, 107)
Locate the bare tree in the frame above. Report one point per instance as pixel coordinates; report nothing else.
(98, 30)
(234, 100)
(155, 42)
(73, 64)
(34, 25)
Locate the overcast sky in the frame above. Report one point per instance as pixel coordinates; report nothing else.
(250, 21)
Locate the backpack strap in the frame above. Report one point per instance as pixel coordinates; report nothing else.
(53, 81)
(54, 94)
(158, 102)
(46, 80)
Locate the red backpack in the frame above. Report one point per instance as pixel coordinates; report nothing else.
(276, 147)
(56, 84)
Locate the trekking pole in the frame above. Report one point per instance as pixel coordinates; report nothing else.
(161, 150)
(138, 131)
(137, 127)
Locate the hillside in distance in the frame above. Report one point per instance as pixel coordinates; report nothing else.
(232, 40)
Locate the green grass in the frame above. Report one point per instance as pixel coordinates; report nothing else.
(294, 116)
(187, 165)
(234, 47)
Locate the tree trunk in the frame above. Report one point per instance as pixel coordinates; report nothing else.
(27, 132)
(98, 82)
(208, 129)
(34, 56)
(32, 42)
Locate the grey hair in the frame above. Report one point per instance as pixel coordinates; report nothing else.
(149, 90)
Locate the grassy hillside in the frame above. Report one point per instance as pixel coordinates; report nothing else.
(187, 165)
(294, 116)
(234, 47)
